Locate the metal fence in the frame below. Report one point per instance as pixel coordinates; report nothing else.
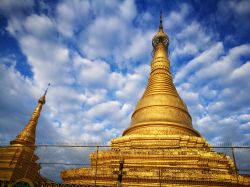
(55, 158)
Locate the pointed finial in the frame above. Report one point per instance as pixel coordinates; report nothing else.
(47, 89)
(160, 27)
(42, 99)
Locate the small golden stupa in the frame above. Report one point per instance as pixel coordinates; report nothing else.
(160, 147)
(18, 161)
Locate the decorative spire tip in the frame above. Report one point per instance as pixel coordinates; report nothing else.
(161, 27)
(47, 89)
(42, 99)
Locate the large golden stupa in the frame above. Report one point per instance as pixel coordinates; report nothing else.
(160, 147)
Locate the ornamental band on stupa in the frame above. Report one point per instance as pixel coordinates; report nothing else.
(160, 141)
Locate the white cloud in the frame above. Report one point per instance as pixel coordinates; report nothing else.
(134, 86)
(71, 15)
(225, 65)
(40, 26)
(95, 96)
(240, 73)
(105, 109)
(49, 61)
(212, 79)
(114, 37)
(176, 18)
(245, 126)
(235, 12)
(14, 26)
(99, 39)
(94, 127)
(233, 8)
(191, 40)
(110, 114)
(91, 73)
(241, 8)
(10, 7)
(127, 10)
(190, 97)
(139, 46)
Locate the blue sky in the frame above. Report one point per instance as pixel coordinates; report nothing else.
(96, 55)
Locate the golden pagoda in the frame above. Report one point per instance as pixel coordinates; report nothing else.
(18, 161)
(160, 147)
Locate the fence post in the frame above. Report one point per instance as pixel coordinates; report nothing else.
(96, 162)
(160, 176)
(236, 170)
(120, 173)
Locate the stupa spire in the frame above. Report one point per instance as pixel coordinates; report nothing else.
(161, 110)
(160, 37)
(28, 134)
(161, 27)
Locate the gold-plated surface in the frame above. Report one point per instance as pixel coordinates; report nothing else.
(160, 147)
(180, 160)
(18, 161)
(161, 103)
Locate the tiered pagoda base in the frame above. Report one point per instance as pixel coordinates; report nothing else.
(19, 162)
(158, 160)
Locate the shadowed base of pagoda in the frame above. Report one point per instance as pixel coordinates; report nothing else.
(163, 160)
(19, 162)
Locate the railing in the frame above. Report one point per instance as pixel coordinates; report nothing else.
(55, 158)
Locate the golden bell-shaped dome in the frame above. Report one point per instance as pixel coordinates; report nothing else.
(161, 111)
